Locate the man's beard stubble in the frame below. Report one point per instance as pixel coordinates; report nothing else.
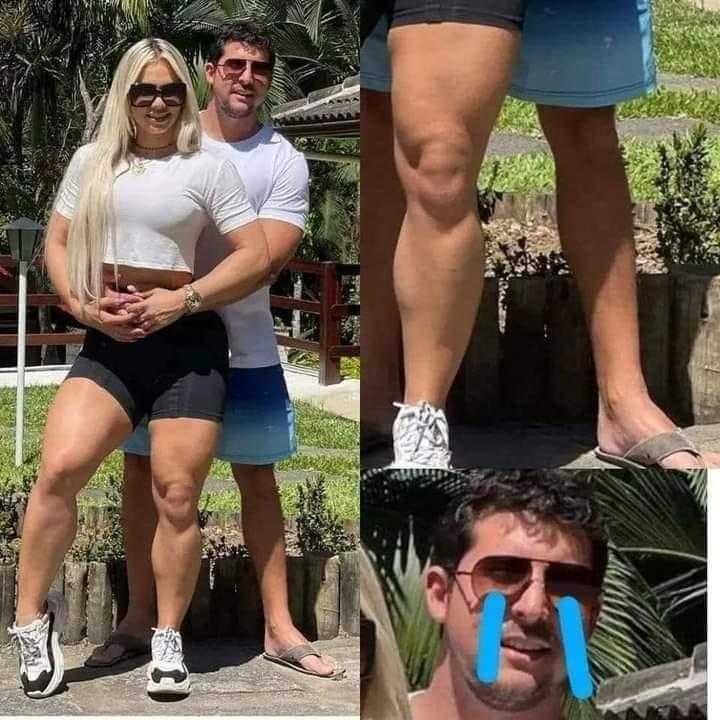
(235, 114)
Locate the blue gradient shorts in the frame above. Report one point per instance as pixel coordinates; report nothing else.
(574, 53)
(258, 426)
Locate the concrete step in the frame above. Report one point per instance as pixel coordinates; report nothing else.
(229, 678)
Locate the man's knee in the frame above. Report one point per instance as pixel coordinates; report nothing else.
(581, 136)
(176, 499)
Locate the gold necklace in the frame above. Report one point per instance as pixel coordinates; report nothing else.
(138, 165)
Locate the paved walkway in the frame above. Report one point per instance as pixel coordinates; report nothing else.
(342, 399)
(516, 445)
(228, 679)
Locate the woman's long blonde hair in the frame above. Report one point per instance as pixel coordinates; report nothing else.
(93, 222)
(386, 695)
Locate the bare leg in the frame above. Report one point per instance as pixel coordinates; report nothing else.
(264, 532)
(596, 230)
(84, 424)
(139, 524)
(382, 207)
(444, 111)
(182, 450)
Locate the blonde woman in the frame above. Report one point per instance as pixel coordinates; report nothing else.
(383, 687)
(129, 213)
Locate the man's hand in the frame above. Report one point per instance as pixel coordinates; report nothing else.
(157, 309)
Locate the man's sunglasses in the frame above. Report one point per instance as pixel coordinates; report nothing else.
(144, 94)
(234, 69)
(367, 647)
(512, 575)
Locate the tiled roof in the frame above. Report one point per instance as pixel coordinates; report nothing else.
(675, 691)
(333, 111)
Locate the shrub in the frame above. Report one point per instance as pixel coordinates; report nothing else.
(320, 531)
(688, 212)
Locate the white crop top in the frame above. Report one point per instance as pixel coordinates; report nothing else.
(161, 213)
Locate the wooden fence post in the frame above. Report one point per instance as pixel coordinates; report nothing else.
(524, 353)
(99, 603)
(249, 601)
(350, 593)
(480, 374)
(224, 596)
(7, 600)
(75, 596)
(322, 596)
(573, 393)
(329, 327)
(695, 366)
(654, 319)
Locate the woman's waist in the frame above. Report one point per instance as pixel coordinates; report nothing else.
(144, 278)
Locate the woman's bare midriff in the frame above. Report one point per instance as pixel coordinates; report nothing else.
(145, 278)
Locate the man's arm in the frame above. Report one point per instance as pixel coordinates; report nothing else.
(283, 240)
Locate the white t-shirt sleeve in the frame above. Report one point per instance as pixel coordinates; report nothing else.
(288, 200)
(227, 201)
(69, 192)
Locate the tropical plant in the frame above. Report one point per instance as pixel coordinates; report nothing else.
(655, 587)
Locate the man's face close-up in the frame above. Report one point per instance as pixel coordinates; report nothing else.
(241, 79)
(532, 564)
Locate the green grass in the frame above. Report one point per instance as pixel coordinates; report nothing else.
(315, 428)
(535, 173)
(343, 496)
(687, 40)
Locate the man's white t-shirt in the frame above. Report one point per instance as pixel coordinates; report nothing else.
(275, 176)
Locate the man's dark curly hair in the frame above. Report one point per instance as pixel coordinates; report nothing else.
(554, 496)
(242, 32)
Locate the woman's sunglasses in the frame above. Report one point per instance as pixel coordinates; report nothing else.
(144, 94)
(367, 647)
(512, 575)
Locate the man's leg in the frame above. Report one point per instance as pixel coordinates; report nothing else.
(596, 230)
(449, 82)
(264, 533)
(381, 212)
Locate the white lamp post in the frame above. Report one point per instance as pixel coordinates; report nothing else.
(22, 236)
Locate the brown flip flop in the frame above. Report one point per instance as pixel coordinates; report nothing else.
(291, 658)
(131, 645)
(651, 452)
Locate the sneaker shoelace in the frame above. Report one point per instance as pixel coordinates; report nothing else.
(423, 436)
(29, 642)
(169, 646)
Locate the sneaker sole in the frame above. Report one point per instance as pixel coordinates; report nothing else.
(59, 671)
(167, 686)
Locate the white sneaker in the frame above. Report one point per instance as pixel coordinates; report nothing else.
(421, 438)
(166, 673)
(41, 661)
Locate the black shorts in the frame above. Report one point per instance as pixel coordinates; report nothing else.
(499, 13)
(179, 371)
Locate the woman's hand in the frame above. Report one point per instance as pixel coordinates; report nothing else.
(110, 316)
(157, 309)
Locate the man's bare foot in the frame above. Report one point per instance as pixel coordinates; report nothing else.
(280, 639)
(624, 423)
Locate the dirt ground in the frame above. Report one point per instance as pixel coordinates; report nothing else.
(542, 237)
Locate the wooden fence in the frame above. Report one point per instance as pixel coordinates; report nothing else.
(330, 309)
(323, 594)
(530, 355)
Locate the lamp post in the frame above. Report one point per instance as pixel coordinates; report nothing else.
(22, 235)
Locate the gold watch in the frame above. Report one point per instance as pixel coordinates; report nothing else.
(192, 299)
